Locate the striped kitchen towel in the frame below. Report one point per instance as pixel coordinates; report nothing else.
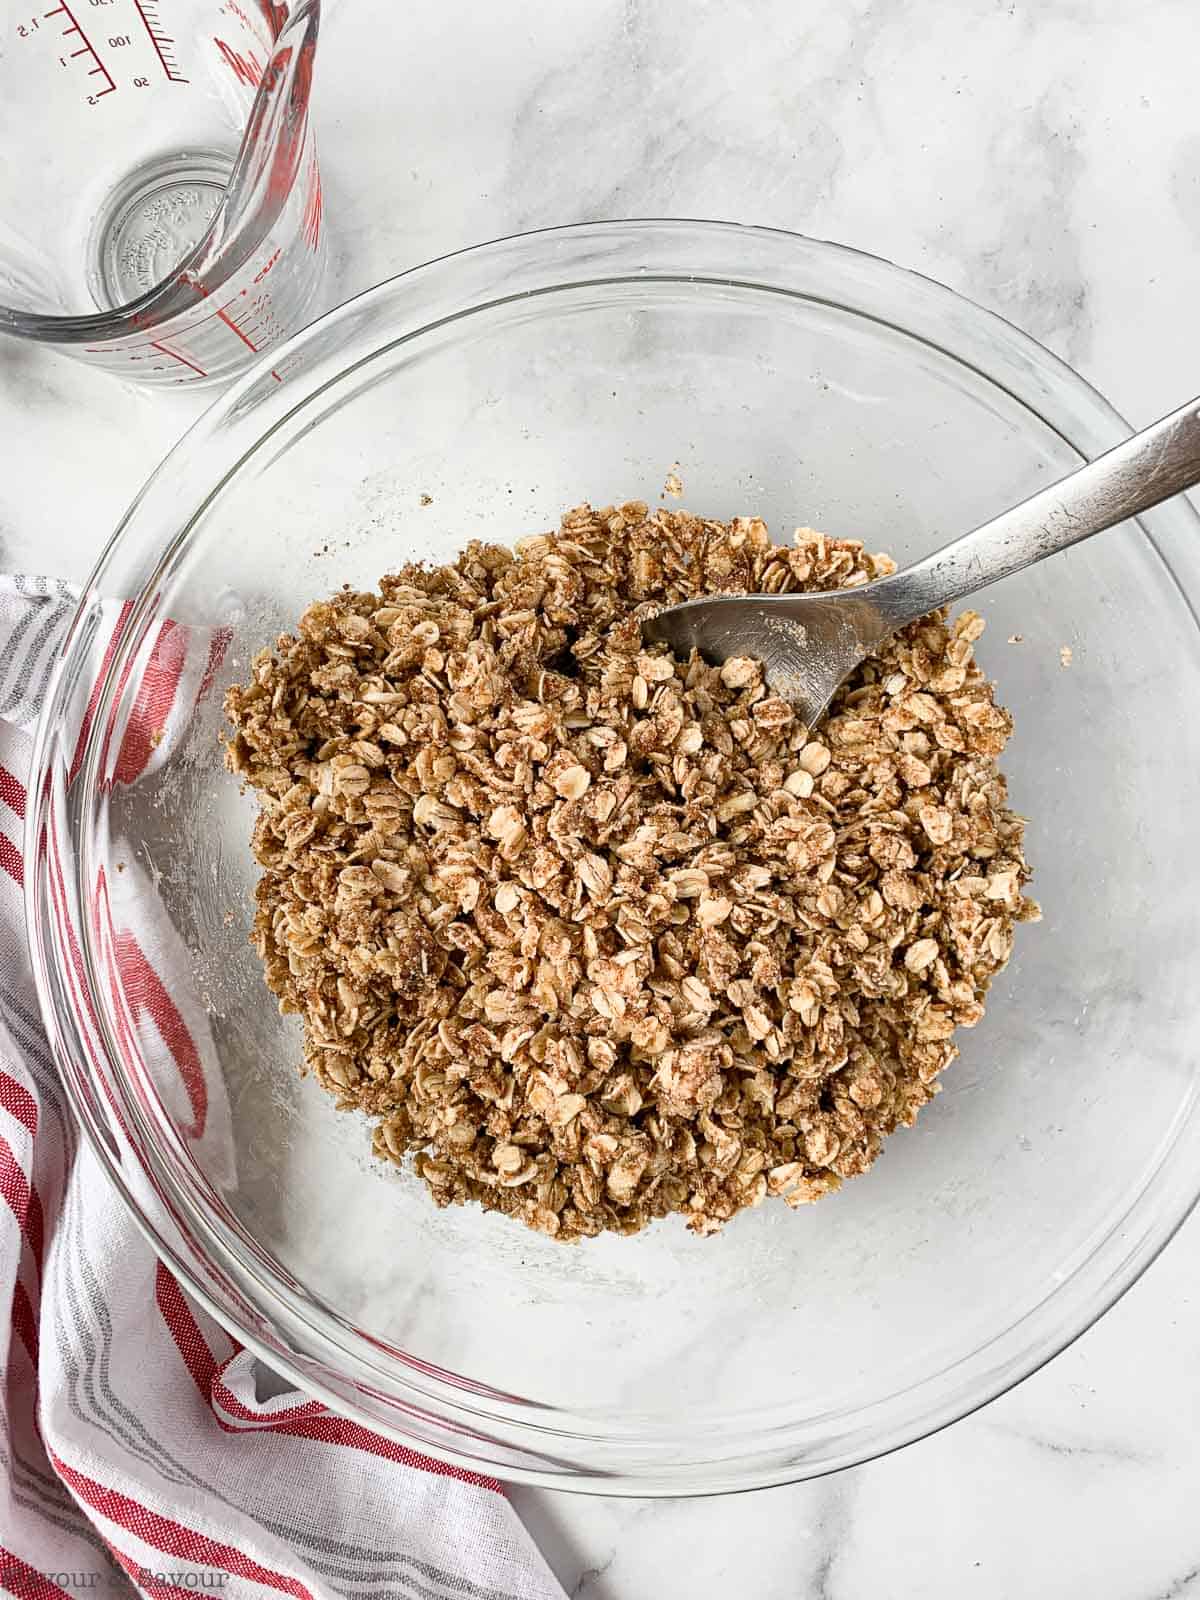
(143, 1450)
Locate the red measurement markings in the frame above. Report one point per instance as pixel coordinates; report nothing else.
(175, 356)
(246, 69)
(164, 45)
(98, 69)
(221, 314)
(314, 205)
(230, 323)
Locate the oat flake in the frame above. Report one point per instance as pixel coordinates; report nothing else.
(594, 935)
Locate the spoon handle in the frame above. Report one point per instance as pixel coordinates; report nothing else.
(1128, 479)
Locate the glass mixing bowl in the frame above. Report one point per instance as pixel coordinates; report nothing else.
(796, 380)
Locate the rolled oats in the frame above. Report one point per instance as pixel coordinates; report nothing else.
(596, 935)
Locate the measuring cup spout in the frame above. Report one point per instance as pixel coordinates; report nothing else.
(270, 160)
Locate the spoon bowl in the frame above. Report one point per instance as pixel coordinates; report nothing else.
(808, 644)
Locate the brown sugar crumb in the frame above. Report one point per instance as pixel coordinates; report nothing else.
(1065, 656)
(673, 483)
(426, 500)
(597, 935)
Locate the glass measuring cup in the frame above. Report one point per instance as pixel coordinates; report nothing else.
(160, 201)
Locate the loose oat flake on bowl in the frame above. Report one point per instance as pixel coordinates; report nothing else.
(597, 935)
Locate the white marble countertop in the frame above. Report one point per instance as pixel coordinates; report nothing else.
(1043, 158)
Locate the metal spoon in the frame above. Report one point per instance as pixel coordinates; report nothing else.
(810, 643)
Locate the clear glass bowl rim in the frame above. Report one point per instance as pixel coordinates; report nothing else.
(528, 1442)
